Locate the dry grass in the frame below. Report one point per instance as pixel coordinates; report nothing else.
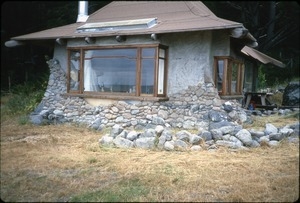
(279, 121)
(276, 98)
(65, 163)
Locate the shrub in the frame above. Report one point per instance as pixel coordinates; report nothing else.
(23, 98)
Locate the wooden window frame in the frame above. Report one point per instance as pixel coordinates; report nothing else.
(118, 95)
(227, 76)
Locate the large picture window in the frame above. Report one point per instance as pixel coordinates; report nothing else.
(118, 72)
(228, 76)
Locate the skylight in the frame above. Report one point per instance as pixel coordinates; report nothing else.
(118, 25)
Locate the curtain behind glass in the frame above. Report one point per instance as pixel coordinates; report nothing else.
(90, 75)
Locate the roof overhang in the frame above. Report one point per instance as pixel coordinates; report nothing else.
(138, 18)
(261, 57)
(243, 33)
(13, 43)
(135, 18)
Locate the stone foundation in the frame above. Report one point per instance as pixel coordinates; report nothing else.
(188, 109)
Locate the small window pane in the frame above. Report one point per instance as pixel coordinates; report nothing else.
(248, 78)
(161, 70)
(147, 76)
(74, 70)
(161, 53)
(234, 78)
(220, 71)
(148, 52)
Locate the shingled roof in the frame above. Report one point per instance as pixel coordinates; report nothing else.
(170, 16)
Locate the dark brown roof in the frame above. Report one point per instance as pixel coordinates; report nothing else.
(172, 16)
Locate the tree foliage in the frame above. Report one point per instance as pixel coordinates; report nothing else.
(22, 64)
(275, 25)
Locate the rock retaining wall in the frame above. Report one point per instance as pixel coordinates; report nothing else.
(224, 134)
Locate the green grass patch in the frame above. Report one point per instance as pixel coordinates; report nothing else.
(295, 115)
(131, 190)
(92, 160)
(23, 120)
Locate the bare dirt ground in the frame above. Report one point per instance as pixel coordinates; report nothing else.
(60, 163)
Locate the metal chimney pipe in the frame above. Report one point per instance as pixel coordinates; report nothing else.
(82, 11)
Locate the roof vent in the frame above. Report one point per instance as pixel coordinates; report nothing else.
(118, 25)
(82, 12)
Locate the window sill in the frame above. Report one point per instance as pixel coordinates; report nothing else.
(117, 97)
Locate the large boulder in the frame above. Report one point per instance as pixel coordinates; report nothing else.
(291, 95)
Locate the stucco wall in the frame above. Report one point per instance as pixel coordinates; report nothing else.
(61, 54)
(190, 59)
(220, 43)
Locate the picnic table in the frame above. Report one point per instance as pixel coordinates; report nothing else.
(257, 98)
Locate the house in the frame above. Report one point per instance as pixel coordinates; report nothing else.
(151, 51)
